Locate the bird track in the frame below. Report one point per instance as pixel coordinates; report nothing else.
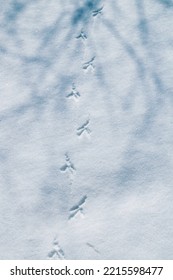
(77, 208)
(68, 166)
(97, 12)
(84, 128)
(74, 93)
(82, 36)
(89, 64)
(56, 252)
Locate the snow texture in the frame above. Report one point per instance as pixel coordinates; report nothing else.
(86, 129)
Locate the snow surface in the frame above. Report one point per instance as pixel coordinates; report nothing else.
(86, 129)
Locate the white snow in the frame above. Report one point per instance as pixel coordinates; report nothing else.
(86, 129)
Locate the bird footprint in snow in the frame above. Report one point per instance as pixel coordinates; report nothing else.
(78, 208)
(98, 11)
(84, 129)
(57, 252)
(89, 64)
(74, 93)
(82, 35)
(68, 166)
